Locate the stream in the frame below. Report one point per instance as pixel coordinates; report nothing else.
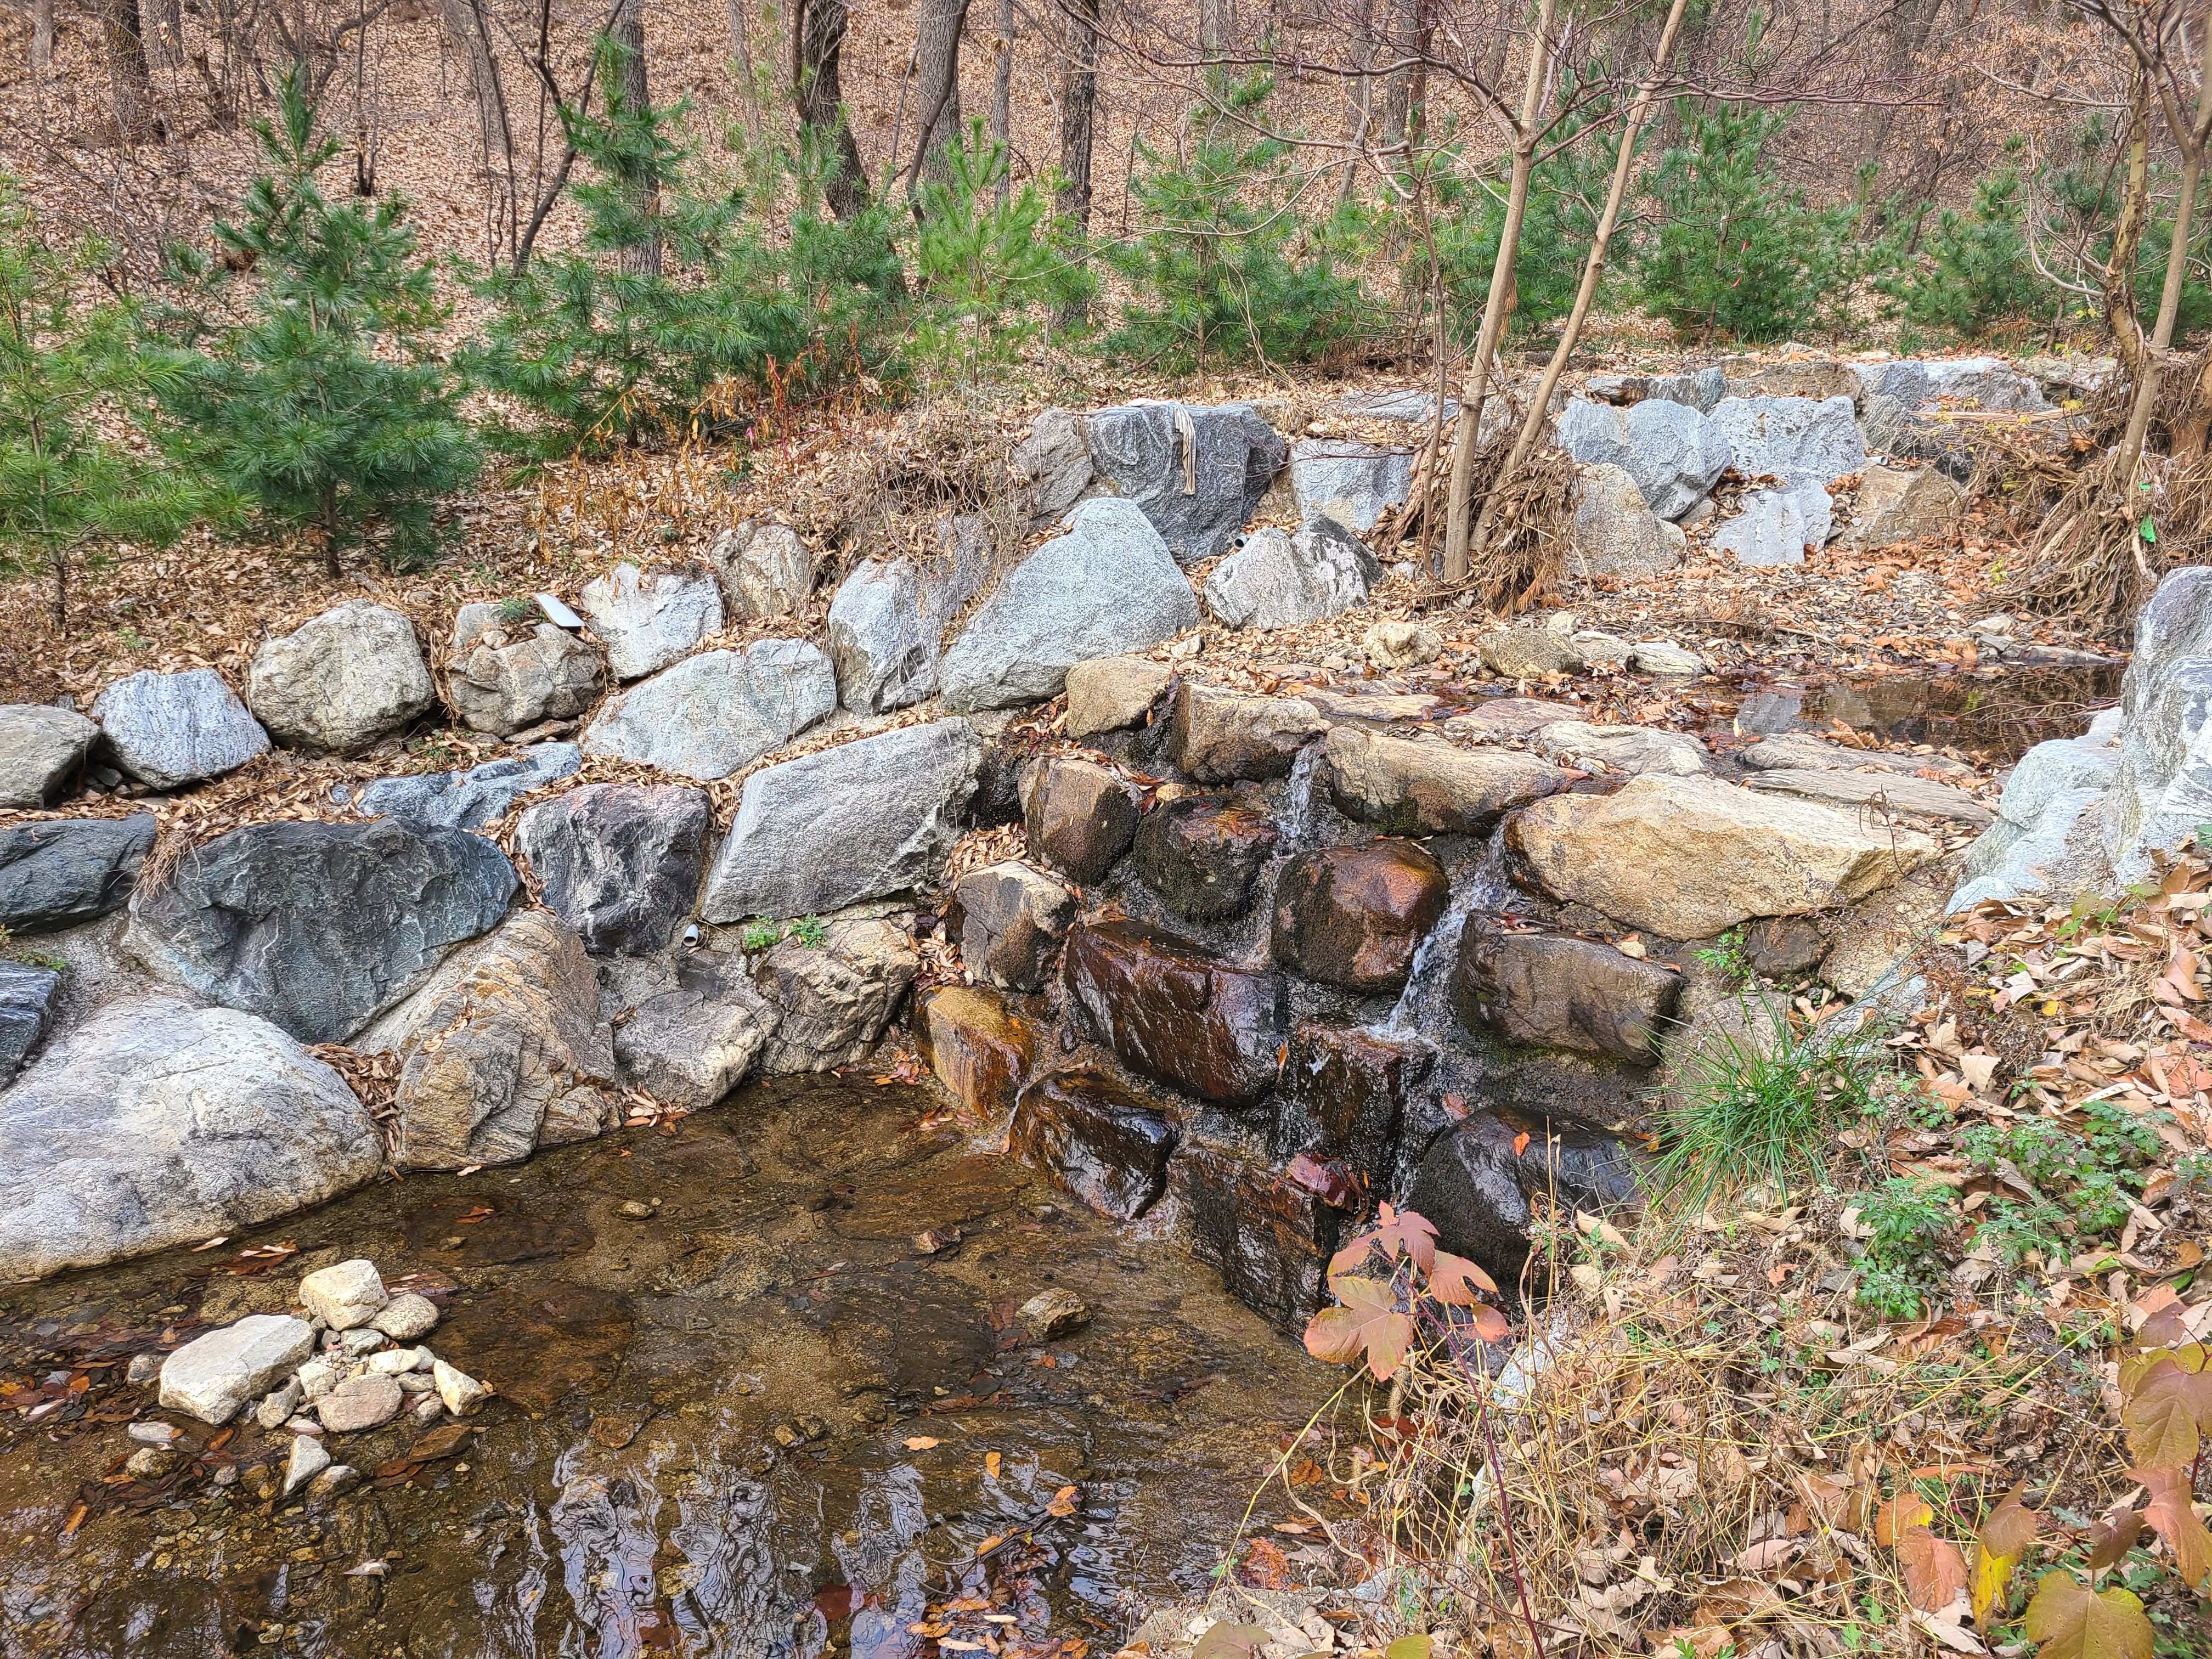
(743, 1409)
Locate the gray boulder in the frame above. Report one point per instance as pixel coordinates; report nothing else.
(853, 822)
(887, 624)
(712, 713)
(1777, 527)
(649, 619)
(619, 864)
(27, 1011)
(1353, 482)
(1051, 466)
(318, 927)
(62, 872)
(155, 1123)
(1405, 408)
(41, 751)
(1276, 580)
(336, 684)
(211, 1377)
(833, 999)
(1895, 505)
(470, 799)
(1012, 917)
(2162, 787)
(1106, 587)
(508, 676)
(1614, 533)
(1791, 437)
(692, 1044)
(765, 570)
(169, 730)
(1669, 448)
(1903, 407)
(2055, 788)
(1195, 472)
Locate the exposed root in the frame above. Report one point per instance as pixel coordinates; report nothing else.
(1523, 557)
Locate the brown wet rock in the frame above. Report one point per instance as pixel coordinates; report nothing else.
(1499, 718)
(1344, 1094)
(1009, 918)
(1202, 854)
(1354, 916)
(537, 1345)
(1097, 1139)
(1270, 1236)
(1175, 1014)
(1479, 1182)
(492, 1232)
(1553, 991)
(1429, 788)
(1080, 816)
(1218, 737)
(981, 1049)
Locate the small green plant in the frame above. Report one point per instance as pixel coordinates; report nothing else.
(301, 370)
(756, 937)
(12, 952)
(517, 610)
(1758, 1108)
(810, 932)
(1725, 957)
(1908, 1222)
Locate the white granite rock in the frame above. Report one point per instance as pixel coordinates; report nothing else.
(212, 1375)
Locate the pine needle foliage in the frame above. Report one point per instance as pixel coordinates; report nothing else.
(301, 372)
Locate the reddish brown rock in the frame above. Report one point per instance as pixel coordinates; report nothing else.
(1010, 921)
(1216, 737)
(1201, 855)
(1081, 815)
(1343, 1097)
(1552, 991)
(981, 1049)
(1097, 1139)
(1175, 1014)
(1354, 916)
(1270, 1236)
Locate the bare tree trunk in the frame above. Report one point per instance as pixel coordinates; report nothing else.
(1362, 100)
(42, 35)
(1079, 111)
(938, 26)
(741, 65)
(1212, 26)
(818, 37)
(165, 40)
(1002, 93)
(1908, 34)
(628, 86)
(1397, 42)
(1458, 516)
(129, 83)
(2127, 235)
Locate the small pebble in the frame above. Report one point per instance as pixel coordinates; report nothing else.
(307, 1460)
(145, 1369)
(153, 1434)
(637, 1210)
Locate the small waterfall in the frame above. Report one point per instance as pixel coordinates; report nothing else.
(1482, 888)
(1294, 818)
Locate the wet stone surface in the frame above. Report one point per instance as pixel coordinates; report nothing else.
(756, 1418)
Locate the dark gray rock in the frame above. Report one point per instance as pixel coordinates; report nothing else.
(1203, 854)
(888, 621)
(318, 927)
(692, 1044)
(1196, 471)
(470, 799)
(828, 829)
(1050, 467)
(1479, 1191)
(155, 1123)
(1343, 1095)
(1011, 919)
(1270, 1235)
(1097, 1139)
(41, 751)
(27, 1011)
(168, 730)
(1106, 587)
(619, 864)
(1553, 991)
(62, 872)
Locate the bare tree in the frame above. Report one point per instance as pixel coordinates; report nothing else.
(741, 68)
(130, 87)
(1079, 111)
(1002, 92)
(627, 87)
(817, 39)
(42, 35)
(938, 26)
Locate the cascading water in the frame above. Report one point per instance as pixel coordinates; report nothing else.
(1295, 817)
(1481, 886)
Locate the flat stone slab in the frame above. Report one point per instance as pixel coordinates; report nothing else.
(719, 712)
(212, 1375)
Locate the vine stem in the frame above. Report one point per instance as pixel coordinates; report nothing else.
(1497, 1479)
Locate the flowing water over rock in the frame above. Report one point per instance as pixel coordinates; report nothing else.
(743, 1409)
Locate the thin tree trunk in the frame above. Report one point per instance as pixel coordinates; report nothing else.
(741, 66)
(42, 35)
(938, 26)
(1458, 516)
(818, 37)
(1213, 26)
(129, 83)
(2127, 235)
(1079, 111)
(627, 86)
(1362, 101)
(1533, 424)
(1002, 95)
(165, 40)
(2169, 302)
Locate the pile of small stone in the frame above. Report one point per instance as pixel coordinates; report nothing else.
(350, 1360)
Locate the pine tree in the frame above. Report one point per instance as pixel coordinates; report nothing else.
(65, 491)
(303, 371)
